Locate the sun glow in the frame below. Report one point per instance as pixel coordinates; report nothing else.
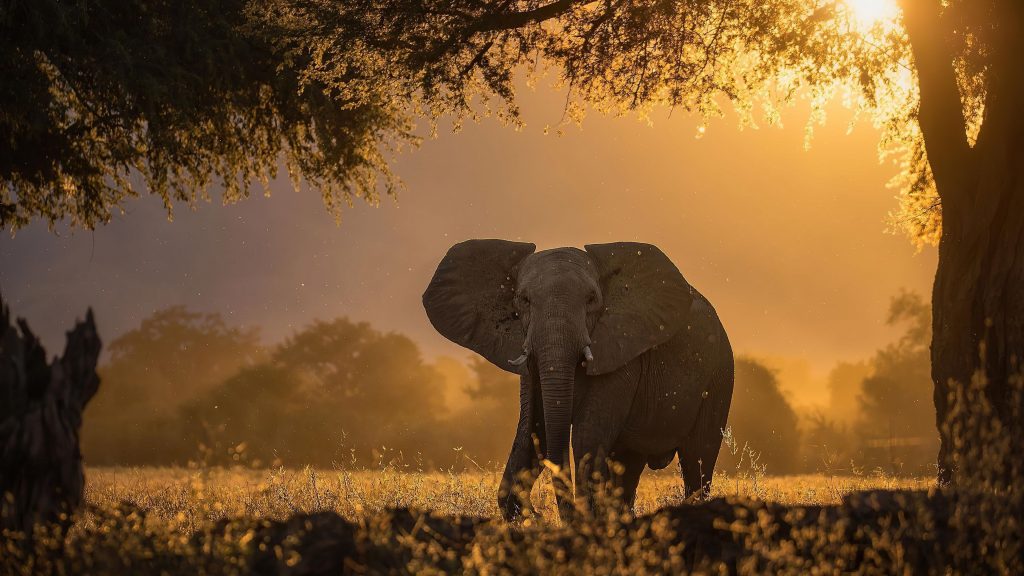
(868, 13)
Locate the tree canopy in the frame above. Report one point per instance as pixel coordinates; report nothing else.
(701, 56)
(102, 100)
(170, 97)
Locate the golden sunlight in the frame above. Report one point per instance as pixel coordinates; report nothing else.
(868, 13)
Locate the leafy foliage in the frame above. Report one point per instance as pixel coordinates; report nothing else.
(102, 99)
(989, 476)
(190, 95)
(216, 520)
(697, 55)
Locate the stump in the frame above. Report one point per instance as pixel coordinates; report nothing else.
(41, 403)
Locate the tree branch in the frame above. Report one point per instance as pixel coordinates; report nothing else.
(498, 21)
(941, 114)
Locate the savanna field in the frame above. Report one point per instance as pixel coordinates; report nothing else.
(214, 520)
(183, 500)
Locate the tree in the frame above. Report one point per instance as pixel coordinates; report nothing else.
(331, 391)
(943, 79)
(102, 99)
(844, 387)
(486, 425)
(172, 357)
(896, 422)
(41, 474)
(762, 418)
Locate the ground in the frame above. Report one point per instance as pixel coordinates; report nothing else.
(186, 498)
(397, 520)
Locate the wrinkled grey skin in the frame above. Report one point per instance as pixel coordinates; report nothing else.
(661, 378)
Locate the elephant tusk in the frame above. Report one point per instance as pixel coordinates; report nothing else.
(588, 354)
(518, 361)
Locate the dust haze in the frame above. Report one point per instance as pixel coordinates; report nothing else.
(789, 243)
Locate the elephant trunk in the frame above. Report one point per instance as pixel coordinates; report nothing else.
(557, 371)
(556, 383)
(557, 359)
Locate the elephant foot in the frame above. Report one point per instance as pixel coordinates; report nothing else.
(511, 507)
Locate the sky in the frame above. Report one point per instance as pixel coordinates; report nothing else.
(788, 244)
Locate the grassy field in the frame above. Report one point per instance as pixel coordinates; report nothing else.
(397, 520)
(207, 520)
(186, 499)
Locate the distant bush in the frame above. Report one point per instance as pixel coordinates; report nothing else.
(881, 415)
(172, 357)
(762, 418)
(829, 446)
(332, 392)
(186, 386)
(896, 423)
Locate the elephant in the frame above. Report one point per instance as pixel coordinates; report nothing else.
(615, 352)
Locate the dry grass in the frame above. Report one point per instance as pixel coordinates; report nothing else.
(206, 520)
(222, 521)
(186, 499)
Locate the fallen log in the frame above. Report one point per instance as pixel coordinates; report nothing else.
(41, 403)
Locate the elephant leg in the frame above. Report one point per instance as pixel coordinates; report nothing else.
(521, 473)
(524, 464)
(608, 480)
(562, 484)
(592, 471)
(699, 453)
(633, 465)
(601, 409)
(697, 470)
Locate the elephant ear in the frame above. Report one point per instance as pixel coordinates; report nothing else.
(646, 301)
(470, 299)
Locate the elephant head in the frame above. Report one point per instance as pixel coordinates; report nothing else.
(542, 314)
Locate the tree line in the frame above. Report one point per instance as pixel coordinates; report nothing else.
(879, 417)
(187, 387)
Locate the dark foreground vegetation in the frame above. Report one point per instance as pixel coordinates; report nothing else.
(870, 532)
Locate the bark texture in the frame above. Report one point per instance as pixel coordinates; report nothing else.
(41, 403)
(978, 295)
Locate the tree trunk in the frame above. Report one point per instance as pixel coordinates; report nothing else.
(978, 296)
(978, 316)
(41, 478)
